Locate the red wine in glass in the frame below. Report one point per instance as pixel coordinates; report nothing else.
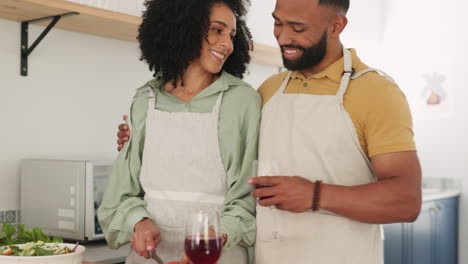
(203, 244)
(202, 250)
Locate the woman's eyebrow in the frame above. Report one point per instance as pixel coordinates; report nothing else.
(219, 22)
(222, 23)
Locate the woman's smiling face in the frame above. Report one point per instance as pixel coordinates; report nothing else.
(218, 44)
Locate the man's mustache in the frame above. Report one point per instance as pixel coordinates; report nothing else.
(292, 47)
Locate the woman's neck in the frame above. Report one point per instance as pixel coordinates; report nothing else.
(194, 81)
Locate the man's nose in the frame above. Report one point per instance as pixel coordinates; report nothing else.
(283, 37)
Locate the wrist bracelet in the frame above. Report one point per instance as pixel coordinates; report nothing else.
(315, 199)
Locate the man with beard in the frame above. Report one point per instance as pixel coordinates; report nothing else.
(336, 138)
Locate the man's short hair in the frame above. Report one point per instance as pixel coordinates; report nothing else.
(341, 4)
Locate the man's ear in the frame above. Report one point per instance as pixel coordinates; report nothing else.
(338, 25)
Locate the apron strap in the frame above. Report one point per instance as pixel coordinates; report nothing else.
(130, 127)
(284, 84)
(129, 119)
(348, 72)
(217, 105)
(359, 74)
(151, 100)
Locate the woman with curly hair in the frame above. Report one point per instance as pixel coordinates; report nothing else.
(194, 133)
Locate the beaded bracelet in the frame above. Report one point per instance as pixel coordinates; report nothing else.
(315, 199)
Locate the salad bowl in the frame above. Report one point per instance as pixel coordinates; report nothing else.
(72, 257)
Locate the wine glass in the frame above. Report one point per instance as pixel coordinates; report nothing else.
(203, 243)
(266, 168)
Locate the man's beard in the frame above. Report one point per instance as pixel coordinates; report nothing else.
(310, 58)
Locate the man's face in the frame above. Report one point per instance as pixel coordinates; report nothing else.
(301, 28)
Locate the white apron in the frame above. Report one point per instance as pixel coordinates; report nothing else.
(312, 136)
(181, 171)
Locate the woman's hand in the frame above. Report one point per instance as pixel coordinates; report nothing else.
(185, 260)
(146, 238)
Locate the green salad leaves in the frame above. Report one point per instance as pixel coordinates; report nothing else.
(11, 235)
(34, 238)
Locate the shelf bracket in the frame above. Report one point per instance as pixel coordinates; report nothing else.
(25, 50)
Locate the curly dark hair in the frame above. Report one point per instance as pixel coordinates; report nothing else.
(172, 33)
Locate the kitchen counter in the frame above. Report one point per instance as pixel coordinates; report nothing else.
(431, 194)
(99, 252)
(436, 188)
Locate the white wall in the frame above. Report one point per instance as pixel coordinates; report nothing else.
(69, 104)
(365, 29)
(261, 22)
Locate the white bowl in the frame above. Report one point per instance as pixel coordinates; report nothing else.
(70, 258)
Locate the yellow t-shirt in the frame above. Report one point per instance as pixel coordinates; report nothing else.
(377, 106)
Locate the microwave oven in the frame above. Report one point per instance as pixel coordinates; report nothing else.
(61, 197)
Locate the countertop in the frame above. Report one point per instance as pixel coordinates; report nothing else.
(436, 188)
(431, 194)
(99, 252)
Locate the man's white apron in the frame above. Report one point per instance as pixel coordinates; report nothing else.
(312, 136)
(182, 170)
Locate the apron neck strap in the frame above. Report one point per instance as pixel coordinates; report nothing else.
(347, 73)
(285, 83)
(359, 74)
(151, 100)
(217, 106)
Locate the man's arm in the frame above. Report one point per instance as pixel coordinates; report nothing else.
(395, 197)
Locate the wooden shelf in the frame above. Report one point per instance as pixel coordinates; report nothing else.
(267, 55)
(101, 22)
(91, 20)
